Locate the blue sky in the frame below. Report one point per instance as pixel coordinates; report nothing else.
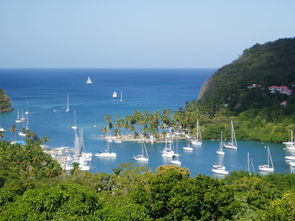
(137, 33)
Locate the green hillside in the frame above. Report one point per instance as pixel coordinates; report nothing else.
(5, 104)
(265, 65)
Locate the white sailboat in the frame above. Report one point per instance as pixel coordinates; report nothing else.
(74, 127)
(250, 164)
(269, 166)
(107, 153)
(115, 95)
(233, 143)
(219, 168)
(68, 104)
(18, 120)
(22, 117)
(220, 149)
(1, 128)
(198, 140)
(27, 123)
(290, 145)
(89, 81)
(143, 157)
(167, 150)
(188, 147)
(175, 159)
(121, 97)
(27, 109)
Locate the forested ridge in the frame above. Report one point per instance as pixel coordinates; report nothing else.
(244, 84)
(33, 187)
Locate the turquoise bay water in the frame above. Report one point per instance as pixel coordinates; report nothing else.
(143, 89)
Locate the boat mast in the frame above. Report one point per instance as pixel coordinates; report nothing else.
(248, 161)
(270, 158)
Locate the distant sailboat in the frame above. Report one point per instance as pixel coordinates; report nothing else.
(167, 150)
(175, 160)
(250, 164)
(220, 149)
(27, 109)
(290, 145)
(121, 97)
(68, 104)
(269, 166)
(115, 94)
(1, 128)
(107, 152)
(89, 81)
(18, 120)
(188, 148)
(198, 140)
(233, 143)
(74, 127)
(143, 157)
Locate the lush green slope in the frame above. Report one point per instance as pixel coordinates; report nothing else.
(269, 64)
(5, 104)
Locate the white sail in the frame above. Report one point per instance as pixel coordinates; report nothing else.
(198, 140)
(68, 104)
(233, 143)
(220, 149)
(74, 127)
(269, 166)
(115, 94)
(121, 97)
(89, 81)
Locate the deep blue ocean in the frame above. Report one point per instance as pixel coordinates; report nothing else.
(43, 90)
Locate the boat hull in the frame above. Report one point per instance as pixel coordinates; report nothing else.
(220, 171)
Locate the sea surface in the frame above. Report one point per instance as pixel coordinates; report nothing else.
(40, 91)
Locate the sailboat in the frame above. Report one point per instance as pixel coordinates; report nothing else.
(22, 117)
(198, 140)
(219, 169)
(220, 149)
(143, 157)
(27, 123)
(74, 127)
(107, 152)
(167, 150)
(290, 145)
(121, 97)
(27, 109)
(250, 164)
(269, 166)
(1, 128)
(188, 148)
(175, 158)
(233, 143)
(18, 120)
(89, 81)
(115, 95)
(68, 104)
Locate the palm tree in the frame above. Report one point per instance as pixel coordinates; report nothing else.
(12, 129)
(75, 169)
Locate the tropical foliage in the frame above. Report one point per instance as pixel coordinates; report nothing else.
(33, 187)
